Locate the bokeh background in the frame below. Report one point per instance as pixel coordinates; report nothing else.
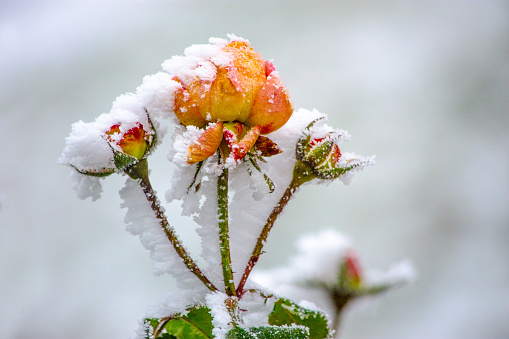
(423, 85)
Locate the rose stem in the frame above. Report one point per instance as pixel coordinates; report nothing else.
(140, 172)
(257, 251)
(224, 238)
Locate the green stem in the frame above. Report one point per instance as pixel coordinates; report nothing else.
(140, 172)
(262, 239)
(224, 238)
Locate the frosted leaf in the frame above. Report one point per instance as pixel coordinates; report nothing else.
(358, 161)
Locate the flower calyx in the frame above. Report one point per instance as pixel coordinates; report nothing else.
(320, 157)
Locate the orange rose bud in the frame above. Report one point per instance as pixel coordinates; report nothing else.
(206, 145)
(245, 89)
(133, 142)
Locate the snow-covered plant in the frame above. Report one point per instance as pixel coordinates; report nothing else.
(241, 152)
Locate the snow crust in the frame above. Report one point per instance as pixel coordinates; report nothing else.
(200, 60)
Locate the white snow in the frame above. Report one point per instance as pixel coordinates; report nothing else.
(221, 318)
(141, 221)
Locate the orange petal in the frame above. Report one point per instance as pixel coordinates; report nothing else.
(225, 100)
(247, 73)
(272, 107)
(206, 145)
(186, 109)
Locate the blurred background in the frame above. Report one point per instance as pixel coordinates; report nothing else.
(423, 85)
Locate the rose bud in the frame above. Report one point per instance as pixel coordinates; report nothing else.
(352, 270)
(245, 89)
(128, 147)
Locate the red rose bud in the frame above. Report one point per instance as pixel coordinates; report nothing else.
(352, 270)
(133, 142)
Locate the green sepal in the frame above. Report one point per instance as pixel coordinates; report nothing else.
(269, 332)
(100, 174)
(194, 183)
(302, 173)
(287, 313)
(122, 160)
(304, 140)
(153, 140)
(319, 154)
(333, 173)
(195, 323)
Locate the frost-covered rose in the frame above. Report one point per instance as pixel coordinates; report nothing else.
(237, 87)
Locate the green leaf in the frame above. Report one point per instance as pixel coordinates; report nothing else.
(197, 323)
(288, 313)
(268, 332)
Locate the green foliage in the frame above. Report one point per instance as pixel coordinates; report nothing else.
(269, 332)
(197, 323)
(288, 313)
(287, 321)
